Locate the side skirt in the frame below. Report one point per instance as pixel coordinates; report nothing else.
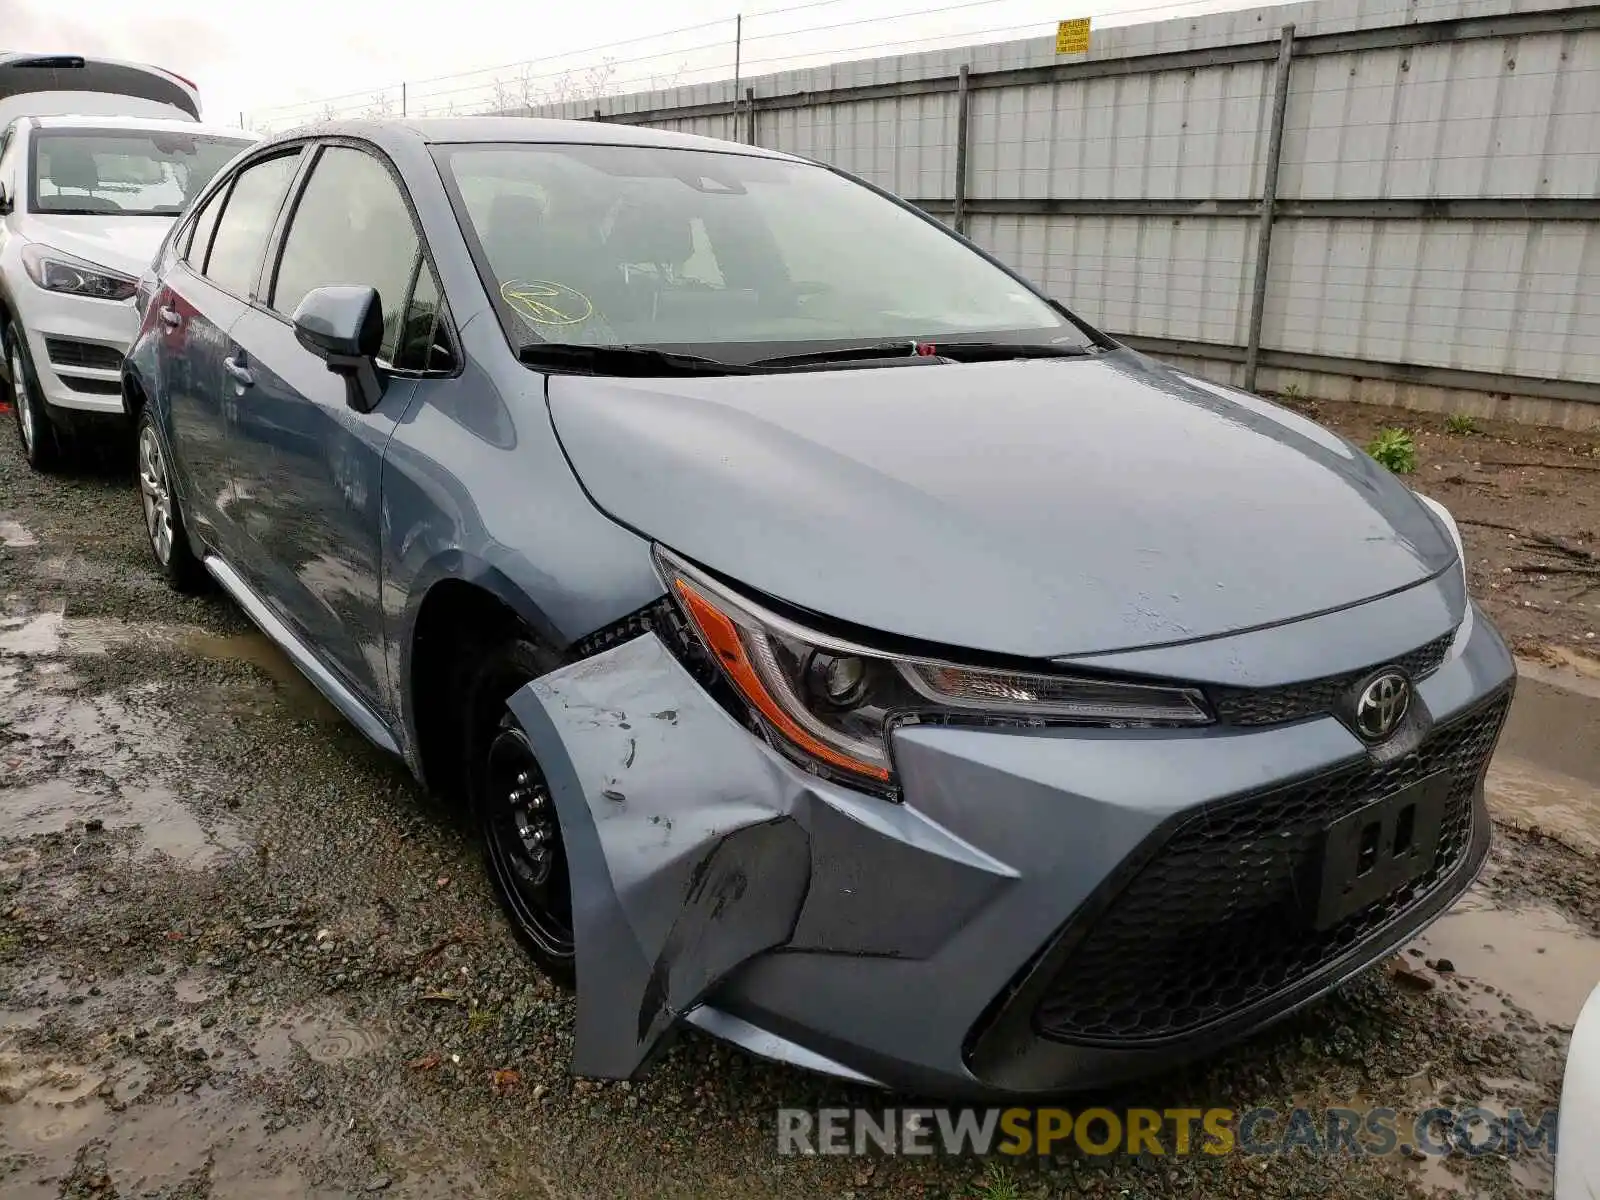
(338, 695)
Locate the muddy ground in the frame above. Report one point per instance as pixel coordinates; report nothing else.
(1528, 503)
(242, 955)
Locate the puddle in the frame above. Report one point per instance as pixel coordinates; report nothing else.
(14, 534)
(258, 651)
(323, 1034)
(38, 634)
(52, 634)
(13, 1019)
(1549, 801)
(1537, 958)
(54, 1116)
(45, 634)
(1532, 1172)
(164, 824)
(199, 985)
(55, 677)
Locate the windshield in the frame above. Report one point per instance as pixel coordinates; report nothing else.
(626, 245)
(131, 173)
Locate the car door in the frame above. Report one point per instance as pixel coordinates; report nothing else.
(315, 461)
(201, 298)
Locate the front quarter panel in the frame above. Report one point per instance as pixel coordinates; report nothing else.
(680, 873)
(695, 847)
(475, 488)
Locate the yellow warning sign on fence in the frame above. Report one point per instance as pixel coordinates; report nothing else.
(1072, 37)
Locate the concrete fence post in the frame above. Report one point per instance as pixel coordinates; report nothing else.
(750, 111)
(963, 115)
(1269, 201)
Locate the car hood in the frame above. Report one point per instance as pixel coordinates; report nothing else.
(125, 244)
(1046, 508)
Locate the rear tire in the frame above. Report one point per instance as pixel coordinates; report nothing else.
(41, 441)
(523, 847)
(163, 519)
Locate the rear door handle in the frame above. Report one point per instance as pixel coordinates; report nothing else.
(241, 375)
(172, 317)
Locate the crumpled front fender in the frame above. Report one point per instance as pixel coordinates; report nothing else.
(679, 872)
(694, 846)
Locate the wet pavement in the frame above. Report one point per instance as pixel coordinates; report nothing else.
(242, 955)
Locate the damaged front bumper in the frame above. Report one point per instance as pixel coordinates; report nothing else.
(1047, 908)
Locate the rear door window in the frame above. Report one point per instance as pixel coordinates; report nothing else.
(196, 240)
(246, 223)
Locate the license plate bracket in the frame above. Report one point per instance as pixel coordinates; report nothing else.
(1379, 848)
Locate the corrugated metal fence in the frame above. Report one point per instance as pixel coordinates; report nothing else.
(1433, 233)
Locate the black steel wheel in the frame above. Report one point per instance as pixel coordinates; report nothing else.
(522, 840)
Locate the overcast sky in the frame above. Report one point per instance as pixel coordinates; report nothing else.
(256, 57)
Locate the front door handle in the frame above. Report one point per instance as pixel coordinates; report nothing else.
(241, 375)
(171, 317)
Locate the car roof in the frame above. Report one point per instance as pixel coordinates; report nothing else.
(533, 130)
(152, 124)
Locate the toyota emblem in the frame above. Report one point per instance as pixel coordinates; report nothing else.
(1381, 705)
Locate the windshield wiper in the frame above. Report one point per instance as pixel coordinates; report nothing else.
(996, 351)
(953, 351)
(905, 348)
(633, 361)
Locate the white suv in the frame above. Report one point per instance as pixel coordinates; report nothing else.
(84, 204)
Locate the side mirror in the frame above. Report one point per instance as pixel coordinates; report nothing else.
(343, 326)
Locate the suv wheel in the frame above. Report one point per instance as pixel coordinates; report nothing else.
(163, 520)
(525, 854)
(34, 427)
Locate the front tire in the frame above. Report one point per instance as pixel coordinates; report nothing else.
(163, 519)
(40, 440)
(523, 847)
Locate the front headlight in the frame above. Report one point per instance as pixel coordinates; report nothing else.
(56, 271)
(1463, 630)
(1449, 523)
(832, 704)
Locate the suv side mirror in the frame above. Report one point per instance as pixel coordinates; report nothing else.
(343, 326)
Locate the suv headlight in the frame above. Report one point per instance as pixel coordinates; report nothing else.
(832, 704)
(57, 271)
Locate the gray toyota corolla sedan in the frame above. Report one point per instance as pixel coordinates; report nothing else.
(844, 649)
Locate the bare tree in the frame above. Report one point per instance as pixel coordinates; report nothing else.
(529, 91)
(663, 83)
(381, 106)
(597, 80)
(503, 97)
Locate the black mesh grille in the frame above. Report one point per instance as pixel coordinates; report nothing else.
(93, 387)
(66, 352)
(1215, 920)
(1297, 701)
